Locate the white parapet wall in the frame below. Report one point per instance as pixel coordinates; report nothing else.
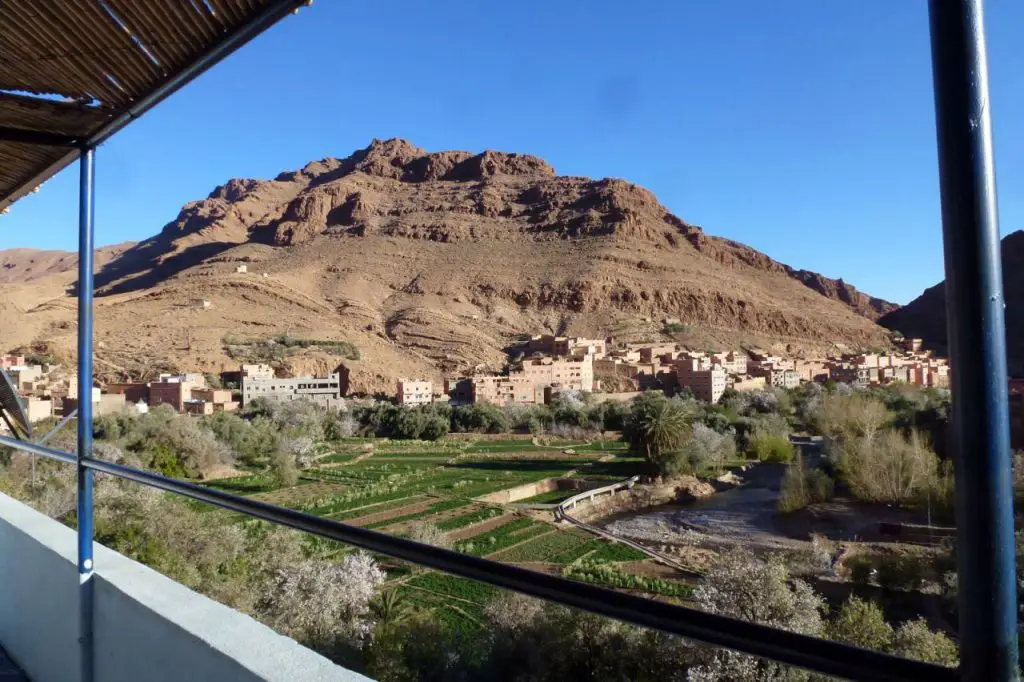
(146, 626)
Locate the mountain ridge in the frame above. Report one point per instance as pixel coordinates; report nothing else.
(434, 262)
(925, 316)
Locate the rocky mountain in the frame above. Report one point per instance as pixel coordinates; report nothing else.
(925, 316)
(431, 263)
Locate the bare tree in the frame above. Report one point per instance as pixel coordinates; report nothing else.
(743, 586)
(325, 604)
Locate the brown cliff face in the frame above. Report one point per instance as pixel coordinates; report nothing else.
(434, 262)
(925, 316)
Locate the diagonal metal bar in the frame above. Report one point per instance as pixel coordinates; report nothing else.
(824, 656)
(60, 425)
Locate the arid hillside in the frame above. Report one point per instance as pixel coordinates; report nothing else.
(925, 316)
(428, 263)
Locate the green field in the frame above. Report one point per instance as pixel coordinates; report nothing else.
(439, 483)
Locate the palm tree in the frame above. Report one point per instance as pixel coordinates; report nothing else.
(391, 609)
(663, 428)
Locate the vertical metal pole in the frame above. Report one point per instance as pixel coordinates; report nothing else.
(977, 342)
(85, 532)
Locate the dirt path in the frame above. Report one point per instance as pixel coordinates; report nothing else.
(354, 460)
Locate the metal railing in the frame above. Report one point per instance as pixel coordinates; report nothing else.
(824, 656)
(988, 627)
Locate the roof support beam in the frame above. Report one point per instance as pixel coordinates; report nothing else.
(36, 137)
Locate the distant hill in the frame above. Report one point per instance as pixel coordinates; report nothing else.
(925, 316)
(430, 263)
(25, 265)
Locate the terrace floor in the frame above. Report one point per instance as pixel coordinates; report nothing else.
(9, 672)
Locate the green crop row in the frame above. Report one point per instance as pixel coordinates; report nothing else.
(244, 485)
(458, 522)
(603, 574)
(546, 547)
(464, 617)
(435, 508)
(504, 536)
(374, 508)
(614, 551)
(339, 457)
(451, 585)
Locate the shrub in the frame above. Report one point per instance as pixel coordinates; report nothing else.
(915, 640)
(889, 467)
(861, 623)
(860, 568)
(901, 572)
(708, 447)
(434, 428)
(282, 468)
(821, 485)
(300, 418)
(801, 487)
(429, 534)
(479, 418)
(771, 448)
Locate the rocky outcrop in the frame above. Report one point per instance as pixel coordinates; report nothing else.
(837, 289)
(925, 316)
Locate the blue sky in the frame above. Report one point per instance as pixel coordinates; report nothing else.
(804, 129)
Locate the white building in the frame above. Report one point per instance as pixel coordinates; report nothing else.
(324, 391)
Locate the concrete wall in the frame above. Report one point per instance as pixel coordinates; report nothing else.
(521, 492)
(147, 627)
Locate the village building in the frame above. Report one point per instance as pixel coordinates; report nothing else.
(102, 403)
(133, 392)
(198, 407)
(24, 377)
(564, 373)
(7, 361)
(748, 383)
(657, 352)
(219, 399)
(38, 409)
(732, 362)
(324, 391)
(172, 393)
(911, 345)
(565, 346)
(811, 370)
(705, 381)
(415, 392)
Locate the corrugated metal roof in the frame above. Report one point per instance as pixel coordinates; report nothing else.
(76, 71)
